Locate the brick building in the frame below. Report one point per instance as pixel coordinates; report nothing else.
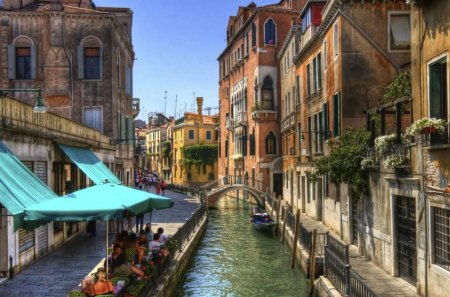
(81, 56)
(249, 93)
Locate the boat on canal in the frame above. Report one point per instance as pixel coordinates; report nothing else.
(261, 220)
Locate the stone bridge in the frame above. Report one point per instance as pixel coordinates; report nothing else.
(214, 195)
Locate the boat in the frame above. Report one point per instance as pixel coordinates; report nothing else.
(261, 220)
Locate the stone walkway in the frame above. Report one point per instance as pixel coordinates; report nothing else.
(381, 283)
(59, 272)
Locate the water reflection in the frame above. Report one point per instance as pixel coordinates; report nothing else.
(235, 260)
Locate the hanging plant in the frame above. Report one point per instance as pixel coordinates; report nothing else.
(426, 126)
(393, 161)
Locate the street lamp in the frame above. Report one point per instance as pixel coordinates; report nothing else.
(39, 107)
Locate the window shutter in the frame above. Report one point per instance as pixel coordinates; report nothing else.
(11, 62)
(244, 145)
(130, 130)
(80, 58)
(33, 62)
(325, 123)
(100, 66)
(123, 128)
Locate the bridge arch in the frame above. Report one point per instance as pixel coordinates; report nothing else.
(215, 196)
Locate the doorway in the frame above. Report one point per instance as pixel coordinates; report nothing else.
(278, 184)
(406, 238)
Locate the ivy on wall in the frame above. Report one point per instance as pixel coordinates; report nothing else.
(398, 88)
(343, 165)
(199, 155)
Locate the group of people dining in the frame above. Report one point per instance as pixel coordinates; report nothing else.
(129, 253)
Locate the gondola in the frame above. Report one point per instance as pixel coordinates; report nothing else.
(261, 220)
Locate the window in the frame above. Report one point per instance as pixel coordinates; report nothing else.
(267, 94)
(308, 80)
(335, 39)
(226, 148)
(244, 143)
(325, 123)
(247, 46)
(399, 32)
(90, 59)
(253, 35)
(91, 63)
(208, 135)
(23, 63)
(441, 237)
(252, 144)
(211, 176)
(306, 19)
(22, 59)
(269, 32)
(438, 97)
(337, 114)
(271, 144)
(93, 117)
(191, 134)
(310, 134)
(297, 85)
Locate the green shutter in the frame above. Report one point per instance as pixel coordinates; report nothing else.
(336, 115)
(325, 123)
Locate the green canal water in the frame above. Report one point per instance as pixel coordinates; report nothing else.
(233, 259)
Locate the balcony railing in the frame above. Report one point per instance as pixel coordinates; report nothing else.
(430, 140)
(229, 123)
(136, 105)
(288, 122)
(242, 118)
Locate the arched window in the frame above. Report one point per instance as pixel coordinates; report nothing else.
(253, 35)
(271, 144)
(90, 53)
(270, 32)
(22, 59)
(267, 94)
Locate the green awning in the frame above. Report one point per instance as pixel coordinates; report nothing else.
(100, 202)
(88, 162)
(19, 187)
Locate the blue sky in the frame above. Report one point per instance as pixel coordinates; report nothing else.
(177, 43)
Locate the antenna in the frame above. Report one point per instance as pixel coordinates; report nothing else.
(176, 102)
(165, 101)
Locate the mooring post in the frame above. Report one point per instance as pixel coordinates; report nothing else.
(284, 223)
(312, 263)
(278, 211)
(295, 243)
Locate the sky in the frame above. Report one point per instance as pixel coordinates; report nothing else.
(176, 43)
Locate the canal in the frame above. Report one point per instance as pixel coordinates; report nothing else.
(235, 260)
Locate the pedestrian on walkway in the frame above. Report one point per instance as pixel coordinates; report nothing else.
(158, 188)
(139, 223)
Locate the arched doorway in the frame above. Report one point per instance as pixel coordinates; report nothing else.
(276, 176)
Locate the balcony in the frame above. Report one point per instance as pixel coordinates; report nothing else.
(136, 106)
(436, 140)
(242, 118)
(229, 123)
(288, 122)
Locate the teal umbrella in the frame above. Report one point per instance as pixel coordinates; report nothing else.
(100, 202)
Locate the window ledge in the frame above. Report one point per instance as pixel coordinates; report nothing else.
(440, 270)
(91, 80)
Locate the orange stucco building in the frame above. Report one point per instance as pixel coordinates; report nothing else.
(249, 92)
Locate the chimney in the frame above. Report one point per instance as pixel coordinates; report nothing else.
(199, 105)
(56, 5)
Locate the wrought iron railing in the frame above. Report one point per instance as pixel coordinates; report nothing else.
(338, 248)
(429, 140)
(185, 232)
(306, 238)
(357, 286)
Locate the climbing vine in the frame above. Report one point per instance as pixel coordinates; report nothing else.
(166, 149)
(398, 88)
(343, 165)
(199, 155)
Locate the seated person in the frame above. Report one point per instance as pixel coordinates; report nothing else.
(122, 239)
(101, 286)
(142, 240)
(112, 259)
(163, 238)
(125, 269)
(155, 245)
(149, 232)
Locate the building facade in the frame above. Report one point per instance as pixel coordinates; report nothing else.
(35, 141)
(81, 57)
(430, 92)
(195, 149)
(249, 94)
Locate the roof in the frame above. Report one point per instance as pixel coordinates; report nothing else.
(47, 7)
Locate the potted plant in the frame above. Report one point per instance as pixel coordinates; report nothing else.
(394, 160)
(426, 126)
(384, 143)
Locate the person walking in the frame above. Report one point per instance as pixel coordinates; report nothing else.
(158, 188)
(139, 223)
